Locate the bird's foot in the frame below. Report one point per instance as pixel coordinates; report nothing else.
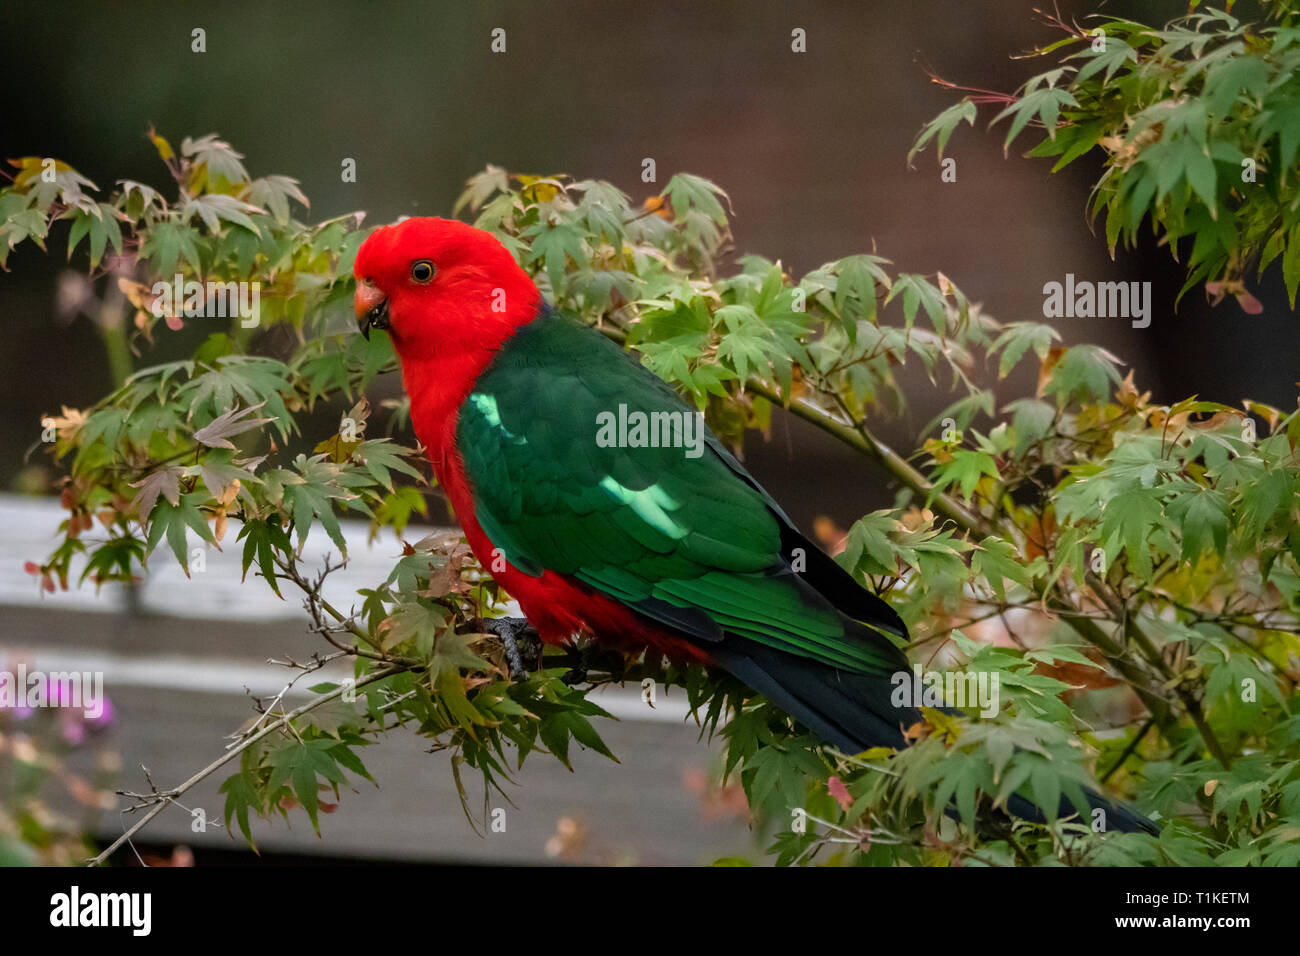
(577, 674)
(522, 645)
(590, 657)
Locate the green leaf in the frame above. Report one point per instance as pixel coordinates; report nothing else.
(554, 246)
(166, 243)
(1085, 372)
(380, 457)
(686, 192)
(996, 560)
(172, 520)
(241, 796)
(299, 764)
(1203, 517)
(1127, 524)
(965, 471)
(868, 547)
(262, 540)
(424, 623)
(1018, 338)
(941, 127)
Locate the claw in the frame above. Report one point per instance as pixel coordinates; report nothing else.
(519, 640)
(591, 657)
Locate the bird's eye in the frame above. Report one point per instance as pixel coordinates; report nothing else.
(422, 270)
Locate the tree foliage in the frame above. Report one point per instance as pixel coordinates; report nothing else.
(1199, 127)
(1129, 570)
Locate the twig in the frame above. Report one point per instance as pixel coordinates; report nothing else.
(163, 798)
(315, 604)
(304, 669)
(1132, 746)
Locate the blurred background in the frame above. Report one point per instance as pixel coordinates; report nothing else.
(812, 150)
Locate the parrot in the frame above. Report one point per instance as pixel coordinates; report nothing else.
(655, 538)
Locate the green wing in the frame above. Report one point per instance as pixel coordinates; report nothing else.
(691, 542)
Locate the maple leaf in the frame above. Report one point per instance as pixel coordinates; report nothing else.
(164, 481)
(446, 578)
(216, 433)
(67, 424)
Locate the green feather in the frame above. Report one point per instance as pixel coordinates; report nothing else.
(654, 528)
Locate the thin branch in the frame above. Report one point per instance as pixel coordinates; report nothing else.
(1132, 746)
(315, 603)
(164, 798)
(312, 667)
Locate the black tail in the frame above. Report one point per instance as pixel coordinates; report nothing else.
(850, 711)
(1116, 816)
(854, 712)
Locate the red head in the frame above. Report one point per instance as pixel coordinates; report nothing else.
(441, 288)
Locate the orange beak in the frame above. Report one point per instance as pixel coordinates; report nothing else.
(370, 307)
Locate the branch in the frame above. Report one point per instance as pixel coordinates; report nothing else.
(1190, 703)
(166, 797)
(315, 603)
(859, 437)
